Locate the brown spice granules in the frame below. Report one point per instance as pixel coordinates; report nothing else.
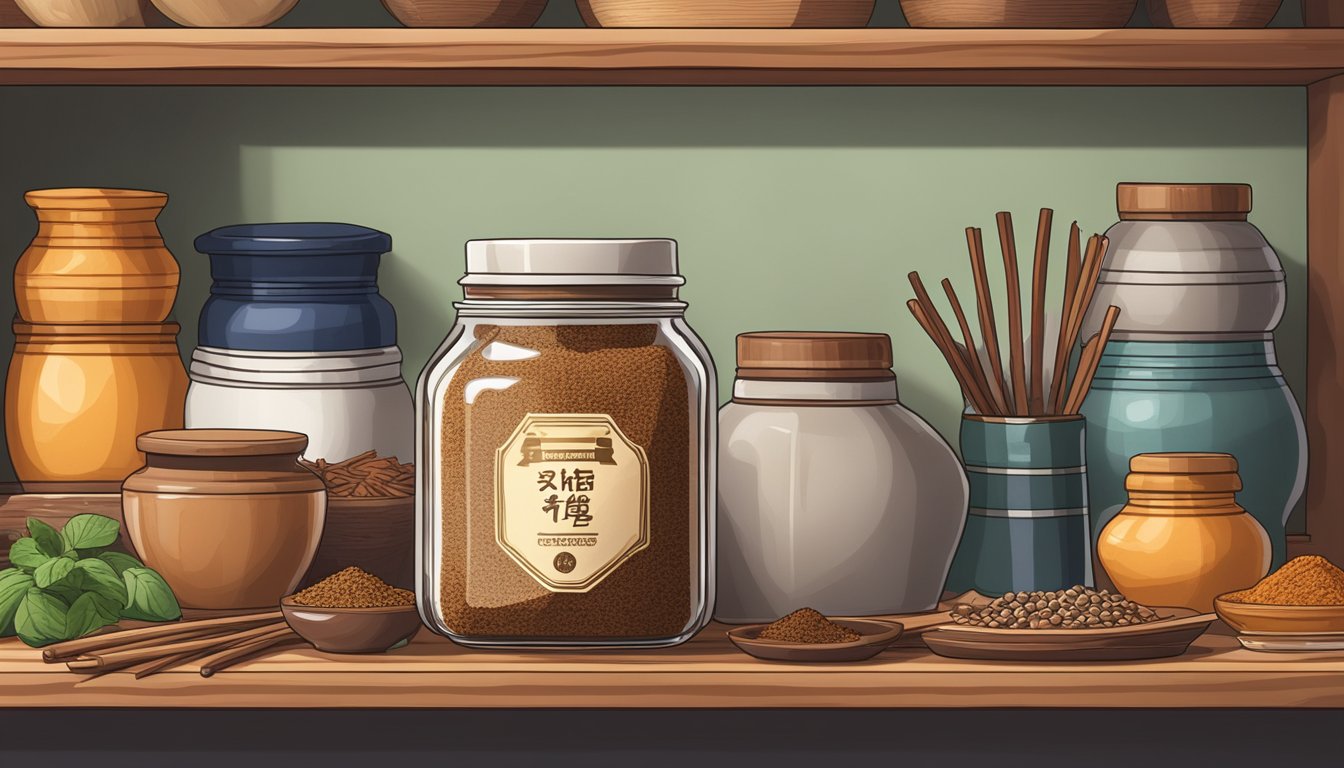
(353, 588)
(806, 625)
(365, 476)
(618, 370)
(1306, 580)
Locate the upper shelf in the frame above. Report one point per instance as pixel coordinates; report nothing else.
(669, 57)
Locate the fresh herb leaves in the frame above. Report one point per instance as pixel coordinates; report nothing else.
(64, 585)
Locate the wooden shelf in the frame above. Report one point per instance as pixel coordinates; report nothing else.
(705, 673)
(669, 57)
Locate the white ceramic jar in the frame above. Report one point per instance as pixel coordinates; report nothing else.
(832, 495)
(345, 402)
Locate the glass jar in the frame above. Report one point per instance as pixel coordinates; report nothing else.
(565, 451)
(832, 494)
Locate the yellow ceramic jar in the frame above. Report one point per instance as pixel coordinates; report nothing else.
(78, 395)
(1182, 539)
(97, 257)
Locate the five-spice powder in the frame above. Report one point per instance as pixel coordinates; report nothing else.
(566, 451)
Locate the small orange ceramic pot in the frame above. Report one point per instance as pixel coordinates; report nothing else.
(77, 396)
(98, 257)
(228, 517)
(1182, 539)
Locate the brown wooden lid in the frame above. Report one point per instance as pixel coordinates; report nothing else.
(813, 355)
(1184, 473)
(1183, 202)
(222, 442)
(95, 198)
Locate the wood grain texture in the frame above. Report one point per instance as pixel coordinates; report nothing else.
(1324, 413)
(626, 56)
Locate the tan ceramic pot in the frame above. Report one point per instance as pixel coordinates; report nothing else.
(227, 516)
(466, 13)
(726, 13)
(97, 257)
(1182, 540)
(77, 396)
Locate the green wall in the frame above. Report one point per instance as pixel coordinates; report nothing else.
(796, 208)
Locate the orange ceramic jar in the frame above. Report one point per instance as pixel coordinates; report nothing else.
(78, 395)
(98, 257)
(1182, 539)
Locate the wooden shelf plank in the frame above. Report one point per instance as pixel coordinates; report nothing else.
(612, 56)
(705, 673)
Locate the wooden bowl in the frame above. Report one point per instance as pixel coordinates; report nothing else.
(377, 535)
(1213, 13)
(351, 630)
(1256, 618)
(225, 13)
(466, 13)
(726, 13)
(877, 636)
(1007, 14)
(85, 13)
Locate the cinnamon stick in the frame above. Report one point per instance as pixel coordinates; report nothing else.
(972, 358)
(989, 334)
(1063, 348)
(114, 659)
(960, 366)
(1039, 281)
(954, 359)
(1016, 363)
(225, 659)
(1083, 382)
(159, 634)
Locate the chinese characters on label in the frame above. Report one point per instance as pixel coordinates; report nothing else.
(574, 508)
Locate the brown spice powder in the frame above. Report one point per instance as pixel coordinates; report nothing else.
(806, 625)
(1307, 580)
(617, 370)
(353, 588)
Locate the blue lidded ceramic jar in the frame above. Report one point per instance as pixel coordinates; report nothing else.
(302, 287)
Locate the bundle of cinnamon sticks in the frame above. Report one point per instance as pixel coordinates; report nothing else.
(983, 383)
(366, 476)
(215, 644)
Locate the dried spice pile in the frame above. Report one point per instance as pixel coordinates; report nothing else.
(353, 588)
(808, 626)
(1078, 607)
(622, 371)
(1307, 580)
(366, 476)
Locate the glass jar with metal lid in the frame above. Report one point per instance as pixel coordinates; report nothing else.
(565, 451)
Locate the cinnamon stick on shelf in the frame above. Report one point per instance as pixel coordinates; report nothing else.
(989, 333)
(1039, 274)
(1016, 363)
(159, 634)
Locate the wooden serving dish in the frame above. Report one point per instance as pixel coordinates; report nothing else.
(727, 13)
(1013, 14)
(1255, 618)
(1213, 14)
(876, 637)
(1159, 639)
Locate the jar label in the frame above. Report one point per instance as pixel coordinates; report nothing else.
(571, 499)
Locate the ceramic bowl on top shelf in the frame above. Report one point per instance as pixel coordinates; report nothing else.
(225, 13)
(85, 13)
(466, 13)
(1009, 14)
(1215, 14)
(745, 14)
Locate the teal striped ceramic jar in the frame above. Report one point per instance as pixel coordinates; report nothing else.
(1028, 526)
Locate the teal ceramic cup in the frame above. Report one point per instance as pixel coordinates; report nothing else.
(1028, 524)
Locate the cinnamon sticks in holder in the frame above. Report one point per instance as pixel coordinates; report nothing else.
(1021, 391)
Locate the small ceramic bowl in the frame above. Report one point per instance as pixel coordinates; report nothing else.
(1257, 618)
(876, 637)
(1214, 14)
(225, 13)
(85, 13)
(466, 13)
(351, 630)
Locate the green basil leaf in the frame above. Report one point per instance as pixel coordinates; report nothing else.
(148, 597)
(102, 579)
(85, 616)
(48, 539)
(40, 619)
(14, 585)
(90, 532)
(26, 554)
(52, 571)
(120, 561)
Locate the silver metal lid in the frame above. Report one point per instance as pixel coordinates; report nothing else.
(572, 262)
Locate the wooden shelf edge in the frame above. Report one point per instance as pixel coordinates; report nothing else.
(669, 57)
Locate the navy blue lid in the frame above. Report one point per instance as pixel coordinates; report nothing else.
(294, 239)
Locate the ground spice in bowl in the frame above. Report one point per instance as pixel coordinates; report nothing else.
(806, 625)
(1306, 580)
(353, 588)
